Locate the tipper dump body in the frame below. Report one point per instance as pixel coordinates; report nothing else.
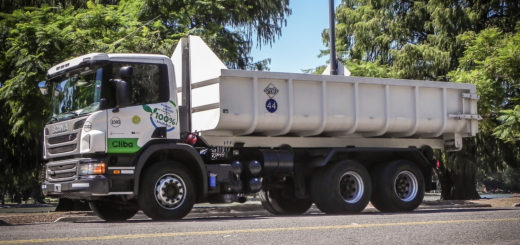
(257, 103)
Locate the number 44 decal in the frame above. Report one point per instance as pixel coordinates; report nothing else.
(271, 105)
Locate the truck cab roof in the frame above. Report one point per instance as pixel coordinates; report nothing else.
(103, 57)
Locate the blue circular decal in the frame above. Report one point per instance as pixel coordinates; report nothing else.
(271, 105)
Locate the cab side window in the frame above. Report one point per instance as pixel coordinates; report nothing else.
(149, 82)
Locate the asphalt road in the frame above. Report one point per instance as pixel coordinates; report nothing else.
(441, 226)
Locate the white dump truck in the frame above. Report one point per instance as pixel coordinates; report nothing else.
(148, 132)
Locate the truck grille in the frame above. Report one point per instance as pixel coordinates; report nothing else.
(62, 138)
(62, 149)
(62, 171)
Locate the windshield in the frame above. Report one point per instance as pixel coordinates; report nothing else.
(76, 93)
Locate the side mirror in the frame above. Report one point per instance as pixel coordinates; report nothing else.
(122, 93)
(126, 73)
(43, 87)
(123, 86)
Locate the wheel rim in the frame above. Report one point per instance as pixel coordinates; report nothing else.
(406, 186)
(170, 191)
(351, 187)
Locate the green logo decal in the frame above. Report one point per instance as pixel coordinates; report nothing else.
(122, 145)
(163, 115)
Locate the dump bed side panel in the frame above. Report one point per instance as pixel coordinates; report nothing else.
(275, 104)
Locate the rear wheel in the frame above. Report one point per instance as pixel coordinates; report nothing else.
(283, 201)
(398, 186)
(343, 187)
(166, 191)
(111, 211)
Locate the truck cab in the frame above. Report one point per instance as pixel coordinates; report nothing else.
(89, 123)
(105, 108)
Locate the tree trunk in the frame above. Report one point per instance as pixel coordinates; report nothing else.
(17, 197)
(36, 192)
(458, 182)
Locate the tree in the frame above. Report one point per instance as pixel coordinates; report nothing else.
(490, 62)
(36, 34)
(418, 39)
(428, 40)
(34, 39)
(228, 26)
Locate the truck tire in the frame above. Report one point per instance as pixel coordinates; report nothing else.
(166, 191)
(110, 211)
(398, 186)
(283, 201)
(343, 187)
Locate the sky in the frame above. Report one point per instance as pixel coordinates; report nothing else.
(300, 43)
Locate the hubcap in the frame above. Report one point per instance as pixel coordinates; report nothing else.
(406, 186)
(170, 191)
(351, 187)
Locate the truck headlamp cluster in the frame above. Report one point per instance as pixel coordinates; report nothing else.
(92, 168)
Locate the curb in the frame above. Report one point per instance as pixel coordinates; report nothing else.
(72, 219)
(3, 223)
(454, 206)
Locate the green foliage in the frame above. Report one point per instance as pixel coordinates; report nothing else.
(504, 180)
(512, 179)
(8, 6)
(38, 34)
(228, 26)
(359, 68)
(509, 128)
(490, 62)
(369, 69)
(417, 39)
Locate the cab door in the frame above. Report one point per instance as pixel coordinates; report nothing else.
(151, 115)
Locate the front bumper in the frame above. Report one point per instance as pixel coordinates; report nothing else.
(70, 179)
(82, 188)
(63, 179)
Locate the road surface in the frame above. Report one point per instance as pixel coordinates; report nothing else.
(435, 226)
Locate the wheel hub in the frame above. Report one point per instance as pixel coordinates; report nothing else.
(170, 191)
(406, 186)
(351, 187)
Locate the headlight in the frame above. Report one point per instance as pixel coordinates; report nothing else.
(92, 168)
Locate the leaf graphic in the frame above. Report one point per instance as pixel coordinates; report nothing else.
(155, 110)
(147, 108)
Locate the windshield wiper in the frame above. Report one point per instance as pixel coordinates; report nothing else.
(71, 113)
(64, 116)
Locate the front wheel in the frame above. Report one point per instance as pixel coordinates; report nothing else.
(282, 201)
(166, 191)
(343, 187)
(111, 211)
(398, 187)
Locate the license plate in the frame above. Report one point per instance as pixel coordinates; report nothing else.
(57, 187)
